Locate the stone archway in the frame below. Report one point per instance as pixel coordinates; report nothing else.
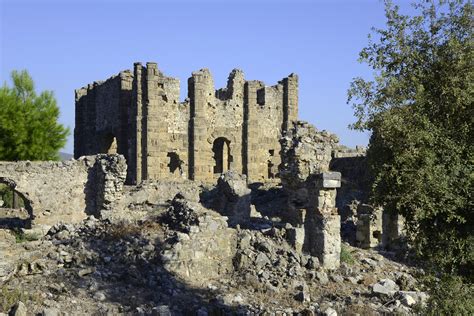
(16, 209)
(222, 155)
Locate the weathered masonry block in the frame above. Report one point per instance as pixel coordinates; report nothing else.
(322, 222)
(138, 114)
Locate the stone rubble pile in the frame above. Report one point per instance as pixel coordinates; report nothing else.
(99, 266)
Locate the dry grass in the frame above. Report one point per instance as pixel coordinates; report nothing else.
(9, 297)
(122, 230)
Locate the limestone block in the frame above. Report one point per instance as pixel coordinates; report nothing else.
(204, 250)
(330, 180)
(233, 197)
(326, 241)
(296, 236)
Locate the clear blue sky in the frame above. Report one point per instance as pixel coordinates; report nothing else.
(68, 44)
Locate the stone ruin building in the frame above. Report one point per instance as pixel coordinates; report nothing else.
(201, 158)
(139, 115)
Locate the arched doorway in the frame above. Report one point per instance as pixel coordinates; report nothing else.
(15, 208)
(222, 155)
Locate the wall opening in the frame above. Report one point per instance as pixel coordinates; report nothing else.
(175, 164)
(222, 156)
(108, 144)
(271, 172)
(15, 208)
(261, 97)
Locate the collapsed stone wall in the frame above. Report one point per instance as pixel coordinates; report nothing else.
(138, 201)
(305, 153)
(235, 128)
(65, 191)
(311, 189)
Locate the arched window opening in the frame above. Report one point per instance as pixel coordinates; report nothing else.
(15, 209)
(222, 156)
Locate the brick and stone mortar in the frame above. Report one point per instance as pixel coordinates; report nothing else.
(65, 191)
(139, 115)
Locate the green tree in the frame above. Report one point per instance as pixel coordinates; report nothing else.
(29, 128)
(419, 108)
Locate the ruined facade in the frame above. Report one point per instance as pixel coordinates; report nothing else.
(139, 115)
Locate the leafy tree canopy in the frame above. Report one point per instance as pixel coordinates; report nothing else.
(29, 128)
(419, 108)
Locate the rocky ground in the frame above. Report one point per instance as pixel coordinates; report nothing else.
(103, 268)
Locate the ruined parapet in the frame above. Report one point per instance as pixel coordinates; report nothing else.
(342, 151)
(322, 222)
(203, 247)
(233, 197)
(369, 226)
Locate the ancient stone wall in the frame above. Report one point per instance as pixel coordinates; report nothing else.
(101, 112)
(267, 112)
(139, 116)
(65, 191)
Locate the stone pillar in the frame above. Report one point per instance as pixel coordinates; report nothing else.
(392, 229)
(252, 158)
(225, 157)
(155, 127)
(109, 174)
(201, 91)
(369, 226)
(322, 222)
(290, 101)
(137, 145)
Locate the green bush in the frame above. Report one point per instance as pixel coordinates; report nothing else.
(419, 108)
(449, 295)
